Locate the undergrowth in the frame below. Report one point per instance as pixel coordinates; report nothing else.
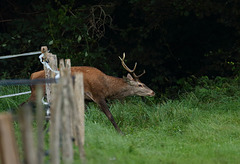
(200, 126)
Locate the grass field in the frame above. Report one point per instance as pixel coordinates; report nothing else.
(201, 126)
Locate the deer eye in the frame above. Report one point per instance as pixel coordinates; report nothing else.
(140, 85)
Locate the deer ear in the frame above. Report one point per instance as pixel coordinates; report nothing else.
(129, 77)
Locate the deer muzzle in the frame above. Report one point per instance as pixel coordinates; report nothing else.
(152, 93)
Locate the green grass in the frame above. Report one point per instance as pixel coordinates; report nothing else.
(172, 132)
(11, 103)
(202, 126)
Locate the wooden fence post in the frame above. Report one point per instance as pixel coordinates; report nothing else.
(25, 120)
(52, 61)
(79, 115)
(70, 91)
(40, 126)
(67, 150)
(67, 112)
(60, 117)
(8, 147)
(55, 125)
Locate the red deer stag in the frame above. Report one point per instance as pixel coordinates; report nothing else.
(98, 86)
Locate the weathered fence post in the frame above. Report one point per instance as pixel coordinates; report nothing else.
(67, 148)
(8, 147)
(40, 126)
(60, 117)
(55, 107)
(79, 115)
(55, 125)
(73, 104)
(67, 112)
(25, 120)
(52, 62)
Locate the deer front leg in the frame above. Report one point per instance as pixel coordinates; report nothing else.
(104, 107)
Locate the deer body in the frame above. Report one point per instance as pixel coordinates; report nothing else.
(98, 87)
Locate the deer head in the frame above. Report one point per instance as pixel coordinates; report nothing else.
(138, 88)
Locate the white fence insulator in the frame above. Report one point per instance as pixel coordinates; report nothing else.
(57, 76)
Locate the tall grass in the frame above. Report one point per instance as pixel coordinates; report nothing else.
(201, 126)
(12, 103)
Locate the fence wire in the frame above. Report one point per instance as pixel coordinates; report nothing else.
(18, 55)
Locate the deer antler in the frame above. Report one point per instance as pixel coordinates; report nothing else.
(125, 66)
(130, 70)
(137, 76)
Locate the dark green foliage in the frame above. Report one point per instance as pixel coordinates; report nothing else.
(173, 40)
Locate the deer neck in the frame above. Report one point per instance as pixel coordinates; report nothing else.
(118, 88)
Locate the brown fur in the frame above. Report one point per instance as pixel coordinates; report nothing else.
(98, 87)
